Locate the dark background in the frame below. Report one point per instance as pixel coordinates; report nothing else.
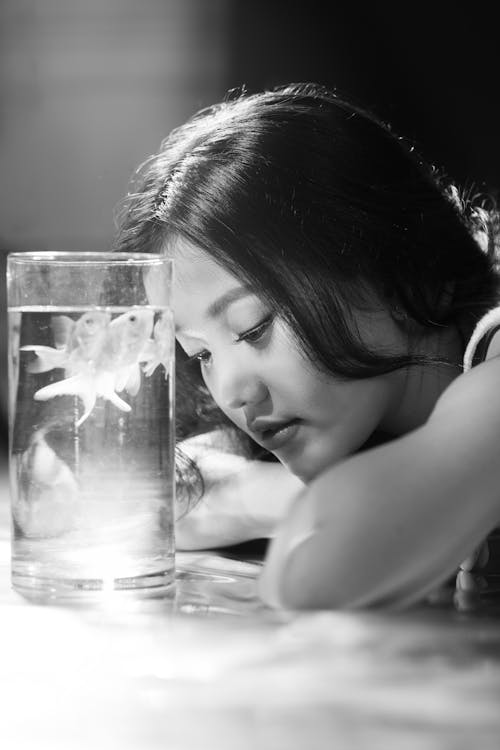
(88, 88)
(431, 70)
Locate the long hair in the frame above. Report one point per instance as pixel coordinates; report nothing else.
(321, 209)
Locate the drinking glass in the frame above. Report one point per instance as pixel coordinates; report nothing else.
(91, 444)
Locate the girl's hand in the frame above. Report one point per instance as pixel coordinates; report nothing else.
(243, 499)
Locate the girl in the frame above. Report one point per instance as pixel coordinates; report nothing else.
(328, 283)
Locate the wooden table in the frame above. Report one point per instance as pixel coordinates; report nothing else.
(216, 669)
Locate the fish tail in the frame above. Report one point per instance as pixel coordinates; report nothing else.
(47, 358)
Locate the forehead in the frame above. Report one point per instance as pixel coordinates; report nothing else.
(195, 268)
(198, 283)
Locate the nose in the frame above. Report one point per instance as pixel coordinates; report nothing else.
(238, 387)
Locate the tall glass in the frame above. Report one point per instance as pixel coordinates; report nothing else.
(91, 352)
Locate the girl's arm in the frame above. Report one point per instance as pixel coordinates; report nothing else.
(243, 499)
(387, 526)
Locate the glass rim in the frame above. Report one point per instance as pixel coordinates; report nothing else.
(95, 258)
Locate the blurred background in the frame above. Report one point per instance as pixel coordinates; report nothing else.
(89, 88)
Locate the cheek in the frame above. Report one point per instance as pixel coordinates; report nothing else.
(308, 386)
(287, 366)
(212, 385)
(348, 406)
(355, 410)
(293, 380)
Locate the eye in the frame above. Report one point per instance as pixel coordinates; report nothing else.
(202, 357)
(253, 335)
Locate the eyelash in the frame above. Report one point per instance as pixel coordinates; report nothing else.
(252, 336)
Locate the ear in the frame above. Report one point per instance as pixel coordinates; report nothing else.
(445, 300)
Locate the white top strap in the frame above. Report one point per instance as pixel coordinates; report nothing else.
(489, 321)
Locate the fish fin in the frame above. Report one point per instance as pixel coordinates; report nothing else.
(133, 383)
(117, 401)
(75, 386)
(150, 366)
(120, 379)
(149, 357)
(128, 379)
(106, 387)
(88, 396)
(48, 358)
(62, 328)
(69, 387)
(159, 349)
(148, 351)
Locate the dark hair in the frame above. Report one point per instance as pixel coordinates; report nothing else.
(316, 204)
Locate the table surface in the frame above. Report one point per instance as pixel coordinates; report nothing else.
(214, 668)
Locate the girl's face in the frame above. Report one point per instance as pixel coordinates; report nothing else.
(258, 377)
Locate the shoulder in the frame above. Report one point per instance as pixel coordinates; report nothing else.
(472, 402)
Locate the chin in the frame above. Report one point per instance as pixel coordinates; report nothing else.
(310, 465)
(306, 471)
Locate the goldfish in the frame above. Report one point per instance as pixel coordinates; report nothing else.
(100, 357)
(48, 490)
(76, 343)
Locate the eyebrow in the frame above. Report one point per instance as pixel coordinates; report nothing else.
(217, 308)
(221, 304)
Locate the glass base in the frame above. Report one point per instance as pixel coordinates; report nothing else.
(42, 589)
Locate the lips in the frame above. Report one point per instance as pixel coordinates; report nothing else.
(273, 436)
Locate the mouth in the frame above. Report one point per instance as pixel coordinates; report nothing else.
(276, 437)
